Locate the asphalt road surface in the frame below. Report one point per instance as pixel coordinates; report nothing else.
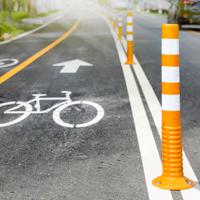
(41, 159)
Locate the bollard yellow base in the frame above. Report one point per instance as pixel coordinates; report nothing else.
(129, 62)
(169, 183)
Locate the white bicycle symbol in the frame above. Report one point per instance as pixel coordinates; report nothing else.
(58, 108)
(8, 62)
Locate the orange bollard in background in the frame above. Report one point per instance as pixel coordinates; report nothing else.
(172, 177)
(114, 23)
(130, 39)
(120, 28)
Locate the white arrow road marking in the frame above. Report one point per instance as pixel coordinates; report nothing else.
(72, 66)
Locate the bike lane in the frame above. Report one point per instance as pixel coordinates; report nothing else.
(43, 160)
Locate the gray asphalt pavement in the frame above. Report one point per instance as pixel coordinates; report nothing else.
(40, 160)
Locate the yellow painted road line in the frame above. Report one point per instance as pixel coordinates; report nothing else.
(33, 58)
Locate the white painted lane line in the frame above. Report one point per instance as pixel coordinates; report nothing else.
(155, 108)
(149, 153)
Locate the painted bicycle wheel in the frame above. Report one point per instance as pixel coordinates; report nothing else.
(8, 62)
(57, 114)
(11, 115)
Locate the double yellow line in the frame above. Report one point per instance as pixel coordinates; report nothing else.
(33, 58)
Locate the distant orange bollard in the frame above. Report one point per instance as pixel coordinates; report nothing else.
(120, 28)
(130, 42)
(172, 177)
(114, 23)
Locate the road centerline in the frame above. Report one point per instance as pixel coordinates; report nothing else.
(39, 54)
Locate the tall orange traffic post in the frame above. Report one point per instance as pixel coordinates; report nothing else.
(130, 39)
(114, 23)
(172, 177)
(120, 28)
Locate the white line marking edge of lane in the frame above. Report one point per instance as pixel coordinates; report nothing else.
(151, 164)
(34, 30)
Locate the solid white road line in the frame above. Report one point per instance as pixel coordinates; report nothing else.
(34, 30)
(155, 108)
(148, 149)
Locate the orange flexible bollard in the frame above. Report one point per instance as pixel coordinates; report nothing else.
(130, 39)
(172, 177)
(114, 23)
(120, 28)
